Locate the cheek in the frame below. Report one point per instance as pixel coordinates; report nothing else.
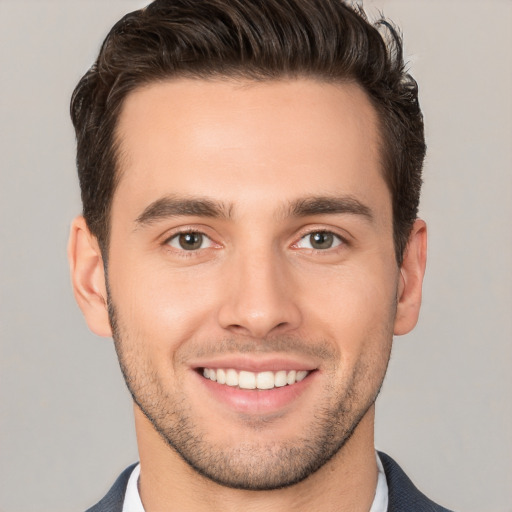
(353, 305)
(358, 316)
(161, 306)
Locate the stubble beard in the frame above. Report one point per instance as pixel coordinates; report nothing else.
(251, 465)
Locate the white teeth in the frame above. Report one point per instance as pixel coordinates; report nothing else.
(231, 378)
(265, 380)
(280, 379)
(300, 375)
(221, 376)
(290, 378)
(251, 380)
(247, 380)
(210, 374)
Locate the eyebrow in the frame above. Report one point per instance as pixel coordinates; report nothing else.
(322, 205)
(171, 206)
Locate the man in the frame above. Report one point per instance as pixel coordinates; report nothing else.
(250, 176)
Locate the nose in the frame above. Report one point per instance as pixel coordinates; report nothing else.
(259, 297)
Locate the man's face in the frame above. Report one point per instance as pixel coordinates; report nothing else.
(251, 243)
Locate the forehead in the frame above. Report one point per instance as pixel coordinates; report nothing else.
(238, 141)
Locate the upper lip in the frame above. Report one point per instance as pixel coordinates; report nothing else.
(256, 364)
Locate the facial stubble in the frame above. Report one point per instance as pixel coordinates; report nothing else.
(255, 465)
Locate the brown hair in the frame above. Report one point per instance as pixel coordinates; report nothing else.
(255, 39)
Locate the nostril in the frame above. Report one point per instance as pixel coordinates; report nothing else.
(238, 329)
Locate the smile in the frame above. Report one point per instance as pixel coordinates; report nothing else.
(251, 380)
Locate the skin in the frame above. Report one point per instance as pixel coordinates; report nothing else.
(255, 290)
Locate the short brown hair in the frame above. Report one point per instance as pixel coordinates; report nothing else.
(255, 39)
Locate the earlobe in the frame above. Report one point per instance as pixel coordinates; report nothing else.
(411, 279)
(88, 277)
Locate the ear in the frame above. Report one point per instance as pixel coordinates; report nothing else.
(88, 277)
(411, 279)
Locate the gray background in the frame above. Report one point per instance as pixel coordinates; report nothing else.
(445, 412)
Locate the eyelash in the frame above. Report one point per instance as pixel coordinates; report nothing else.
(342, 241)
(194, 252)
(184, 252)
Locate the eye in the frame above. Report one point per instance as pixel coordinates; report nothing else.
(319, 240)
(190, 241)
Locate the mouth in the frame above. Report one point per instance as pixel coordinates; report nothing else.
(246, 380)
(256, 386)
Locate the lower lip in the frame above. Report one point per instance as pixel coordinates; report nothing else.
(257, 401)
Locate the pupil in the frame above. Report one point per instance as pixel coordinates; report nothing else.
(190, 241)
(321, 240)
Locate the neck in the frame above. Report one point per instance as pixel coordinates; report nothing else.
(347, 482)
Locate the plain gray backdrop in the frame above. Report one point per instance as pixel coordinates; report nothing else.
(445, 412)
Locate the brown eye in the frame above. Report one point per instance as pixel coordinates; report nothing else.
(190, 241)
(319, 240)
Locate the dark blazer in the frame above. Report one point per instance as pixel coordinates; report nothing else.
(403, 495)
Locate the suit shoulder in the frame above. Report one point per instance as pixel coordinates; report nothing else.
(113, 500)
(404, 496)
